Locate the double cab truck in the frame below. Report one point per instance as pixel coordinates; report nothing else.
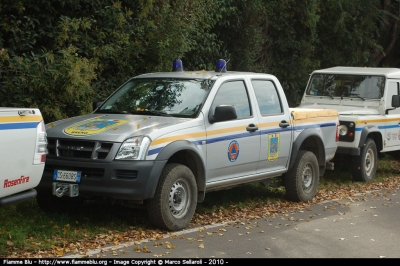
(162, 140)
(22, 154)
(367, 100)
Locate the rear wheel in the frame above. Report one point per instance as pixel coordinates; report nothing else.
(301, 181)
(364, 166)
(175, 199)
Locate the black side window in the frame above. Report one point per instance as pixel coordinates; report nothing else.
(267, 97)
(233, 93)
(393, 89)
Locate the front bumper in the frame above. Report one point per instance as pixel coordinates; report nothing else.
(119, 180)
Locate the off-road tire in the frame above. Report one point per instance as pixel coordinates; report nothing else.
(301, 181)
(364, 166)
(175, 199)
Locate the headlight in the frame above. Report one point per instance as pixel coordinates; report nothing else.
(343, 130)
(133, 148)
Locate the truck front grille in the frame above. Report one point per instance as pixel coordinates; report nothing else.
(79, 149)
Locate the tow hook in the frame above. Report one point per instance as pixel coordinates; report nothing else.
(62, 189)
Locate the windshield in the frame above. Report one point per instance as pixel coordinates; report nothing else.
(163, 96)
(359, 86)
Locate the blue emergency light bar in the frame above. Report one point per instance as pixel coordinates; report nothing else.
(177, 65)
(221, 66)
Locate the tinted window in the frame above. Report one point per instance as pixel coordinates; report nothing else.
(172, 97)
(267, 97)
(233, 93)
(346, 86)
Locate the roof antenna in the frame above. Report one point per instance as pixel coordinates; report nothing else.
(221, 66)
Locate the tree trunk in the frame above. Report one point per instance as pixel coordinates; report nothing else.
(379, 55)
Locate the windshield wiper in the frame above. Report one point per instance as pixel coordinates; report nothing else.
(152, 112)
(110, 112)
(357, 95)
(159, 113)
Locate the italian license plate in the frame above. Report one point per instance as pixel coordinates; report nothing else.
(68, 176)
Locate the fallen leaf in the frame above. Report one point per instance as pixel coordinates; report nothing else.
(201, 245)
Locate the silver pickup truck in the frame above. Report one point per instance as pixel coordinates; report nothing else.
(22, 153)
(165, 139)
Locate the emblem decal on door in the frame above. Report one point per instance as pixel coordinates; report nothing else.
(233, 151)
(273, 146)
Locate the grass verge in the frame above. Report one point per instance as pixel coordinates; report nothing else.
(26, 231)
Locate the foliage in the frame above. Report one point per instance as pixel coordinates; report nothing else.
(292, 38)
(62, 55)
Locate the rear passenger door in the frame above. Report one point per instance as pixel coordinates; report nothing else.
(232, 146)
(275, 130)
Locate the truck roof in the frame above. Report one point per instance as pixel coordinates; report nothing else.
(381, 71)
(197, 74)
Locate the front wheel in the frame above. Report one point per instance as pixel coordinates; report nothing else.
(364, 166)
(301, 181)
(175, 199)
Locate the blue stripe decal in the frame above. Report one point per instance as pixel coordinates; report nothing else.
(245, 135)
(328, 125)
(155, 151)
(9, 126)
(275, 130)
(232, 137)
(380, 127)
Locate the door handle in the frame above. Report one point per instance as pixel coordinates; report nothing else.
(284, 124)
(252, 128)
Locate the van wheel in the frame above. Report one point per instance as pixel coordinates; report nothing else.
(364, 166)
(301, 181)
(175, 199)
(52, 204)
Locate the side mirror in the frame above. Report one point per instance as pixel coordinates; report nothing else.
(395, 101)
(222, 113)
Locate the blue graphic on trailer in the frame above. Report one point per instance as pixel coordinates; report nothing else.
(233, 151)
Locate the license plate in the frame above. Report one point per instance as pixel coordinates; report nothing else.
(68, 176)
